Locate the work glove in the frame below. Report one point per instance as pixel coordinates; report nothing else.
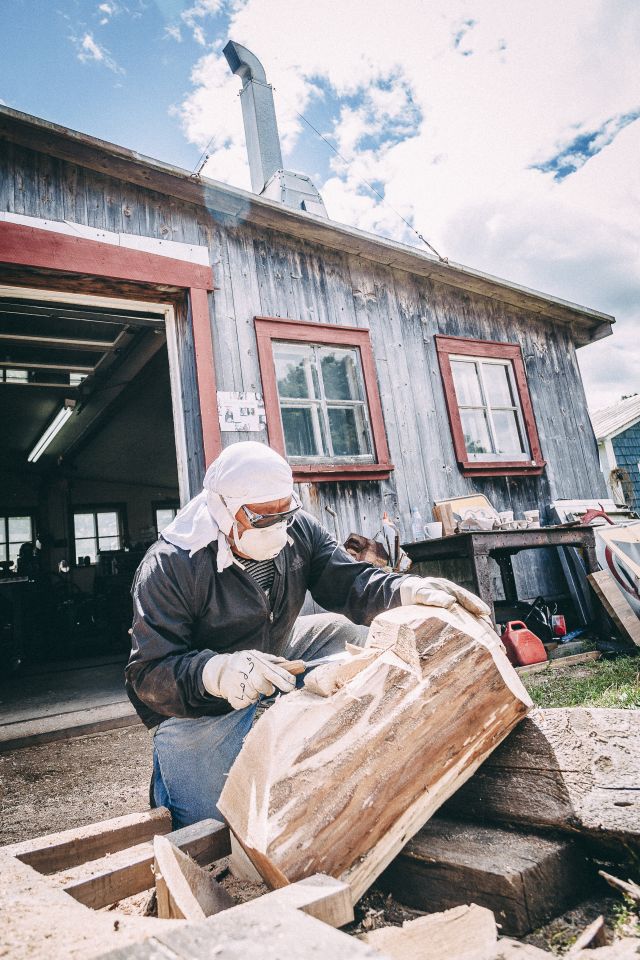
(437, 592)
(241, 677)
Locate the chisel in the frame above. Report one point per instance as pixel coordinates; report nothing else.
(297, 667)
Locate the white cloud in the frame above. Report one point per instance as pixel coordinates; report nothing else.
(89, 50)
(174, 32)
(445, 105)
(193, 16)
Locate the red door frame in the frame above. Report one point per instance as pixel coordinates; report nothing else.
(46, 249)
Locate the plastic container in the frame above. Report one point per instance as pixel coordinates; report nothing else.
(522, 645)
(417, 525)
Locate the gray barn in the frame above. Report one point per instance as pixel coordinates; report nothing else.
(144, 300)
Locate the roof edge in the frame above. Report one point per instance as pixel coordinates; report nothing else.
(122, 163)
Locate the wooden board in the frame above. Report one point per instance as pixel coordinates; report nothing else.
(60, 851)
(614, 602)
(335, 778)
(558, 663)
(576, 770)
(466, 932)
(120, 875)
(523, 878)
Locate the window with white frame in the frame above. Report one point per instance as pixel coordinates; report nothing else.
(323, 404)
(163, 515)
(96, 531)
(490, 409)
(14, 531)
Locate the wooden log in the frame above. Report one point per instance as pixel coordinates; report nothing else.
(117, 876)
(184, 890)
(575, 769)
(59, 851)
(615, 603)
(523, 878)
(338, 783)
(462, 933)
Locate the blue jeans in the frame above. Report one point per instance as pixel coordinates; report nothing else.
(191, 758)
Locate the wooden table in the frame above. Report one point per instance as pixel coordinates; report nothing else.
(501, 545)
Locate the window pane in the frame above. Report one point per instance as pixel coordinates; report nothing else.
(299, 436)
(496, 382)
(86, 548)
(476, 431)
(341, 374)
(108, 543)
(83, 525)
(164, 518)
(467, 384)
(19, 529)
(108, 525)
(349, 433)
(507, 432)
(295, 371)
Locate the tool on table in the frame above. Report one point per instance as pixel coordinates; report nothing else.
(297, 667)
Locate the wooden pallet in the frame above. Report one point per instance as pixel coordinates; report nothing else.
(52, 890)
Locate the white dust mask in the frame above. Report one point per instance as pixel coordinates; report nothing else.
(263, 544)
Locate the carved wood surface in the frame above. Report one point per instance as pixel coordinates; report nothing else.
(338, 783)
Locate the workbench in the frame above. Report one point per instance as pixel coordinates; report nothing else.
(478, 545)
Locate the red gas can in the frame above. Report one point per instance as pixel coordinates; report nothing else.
(522, 646)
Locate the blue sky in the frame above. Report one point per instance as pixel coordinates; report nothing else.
(507, 132)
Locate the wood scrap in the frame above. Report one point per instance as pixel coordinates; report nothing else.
(184, 890)
(525, 879)
(338, 784)
(615, 603)
(592, 936)
(628, 887)
(575, 769)
(462, 933)
(559, 663)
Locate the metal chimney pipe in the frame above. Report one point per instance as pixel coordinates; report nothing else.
(258, 114)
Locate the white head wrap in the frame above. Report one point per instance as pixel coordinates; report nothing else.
(245, 472)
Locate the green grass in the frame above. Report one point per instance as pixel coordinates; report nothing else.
(603, 683)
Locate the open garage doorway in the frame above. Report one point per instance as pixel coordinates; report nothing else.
(90, 474)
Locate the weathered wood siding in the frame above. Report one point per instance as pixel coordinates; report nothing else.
(261, 272)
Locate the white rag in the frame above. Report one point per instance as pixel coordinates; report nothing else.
(245, 472)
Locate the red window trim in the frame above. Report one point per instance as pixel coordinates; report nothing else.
(29, 246)
(277, 328)
(464, 346)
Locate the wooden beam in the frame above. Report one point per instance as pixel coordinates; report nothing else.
(615, 603)
(462, 933)
(30, 247)
(121, 875)
(60, 851)
(558, 663)
(576, 770)
(523, 878)
(336, 777)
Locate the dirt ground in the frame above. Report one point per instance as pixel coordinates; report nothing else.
(66, 784)
(44, 789)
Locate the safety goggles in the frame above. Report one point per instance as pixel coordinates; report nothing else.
(262, 520)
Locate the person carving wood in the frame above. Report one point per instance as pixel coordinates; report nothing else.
(216, 618)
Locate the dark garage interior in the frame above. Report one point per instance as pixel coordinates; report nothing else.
(88, 477)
